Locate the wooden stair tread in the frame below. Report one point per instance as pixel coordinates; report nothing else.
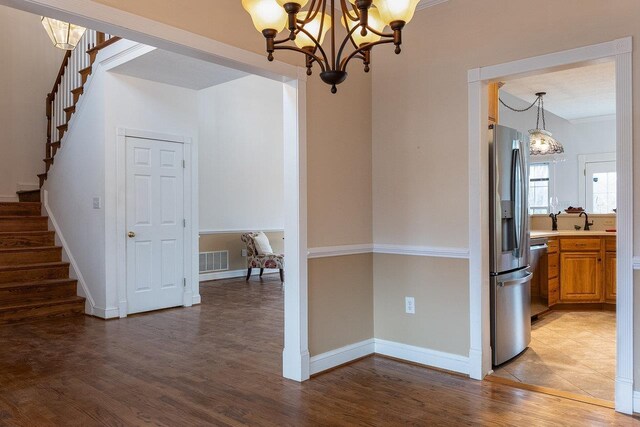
(33, 266)
(36, 283)
(57, 301)
(24, 233)
(20, 208)
(29, 249)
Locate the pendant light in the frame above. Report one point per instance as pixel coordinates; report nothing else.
(541, 141)
(63, 34)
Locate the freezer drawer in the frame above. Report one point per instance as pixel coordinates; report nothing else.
(510, 314)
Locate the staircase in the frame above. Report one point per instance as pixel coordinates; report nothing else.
(75, 70)
(34, 281)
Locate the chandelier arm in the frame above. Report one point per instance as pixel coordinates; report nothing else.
(315, 41)
(346, 40)
(311, 16)
(361, 50)
(309, 54)
(347, 13)
(334, 63)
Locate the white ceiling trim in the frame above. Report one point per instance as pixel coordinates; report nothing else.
(428, 3)
(593, 119)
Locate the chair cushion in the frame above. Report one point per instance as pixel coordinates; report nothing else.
(262, 244)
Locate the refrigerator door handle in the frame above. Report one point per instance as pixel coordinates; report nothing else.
(515, 154)
(519, 281)
(524, 203)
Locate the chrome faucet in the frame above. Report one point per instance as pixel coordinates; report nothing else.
(587, 224)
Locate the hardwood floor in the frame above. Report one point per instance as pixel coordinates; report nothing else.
(219, 364)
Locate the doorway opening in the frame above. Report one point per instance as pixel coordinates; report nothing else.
(580, 263)
(572, 223)
(295, 357)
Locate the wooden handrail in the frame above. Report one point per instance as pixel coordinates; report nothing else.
(104, 44)
(63, 67)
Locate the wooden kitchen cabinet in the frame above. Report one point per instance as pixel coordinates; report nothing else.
(581, 276)
(553, 269)
(581, 270)
(610, 277)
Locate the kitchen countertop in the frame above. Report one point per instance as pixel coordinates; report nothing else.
(571, 233)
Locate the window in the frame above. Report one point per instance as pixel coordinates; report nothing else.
(539, 188)
(601, 186)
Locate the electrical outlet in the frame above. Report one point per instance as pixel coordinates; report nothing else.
(243, 252)
(410, 305)
(97, 203)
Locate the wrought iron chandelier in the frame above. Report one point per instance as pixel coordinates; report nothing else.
(365, 22)
(541, 142)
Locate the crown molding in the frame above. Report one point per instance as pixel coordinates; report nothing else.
(428, 3)
(606, 117)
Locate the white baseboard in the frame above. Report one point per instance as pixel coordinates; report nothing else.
(410, 353)
(105, 313)
(231, 274)
(423, 356)
(340, 356)
(197, 299)
(636, 401)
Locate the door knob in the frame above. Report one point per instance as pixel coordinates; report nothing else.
(131, 234)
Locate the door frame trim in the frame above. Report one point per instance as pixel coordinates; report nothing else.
(110, 20)
(190, 294)
(620, 51)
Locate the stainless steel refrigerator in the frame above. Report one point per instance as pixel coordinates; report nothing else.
(509, 243)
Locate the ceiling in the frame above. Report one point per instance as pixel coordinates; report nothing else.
(178, 70)
(578, 93)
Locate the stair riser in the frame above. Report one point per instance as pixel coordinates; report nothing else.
(23, 224)
(22, 241)
(40, 313)
(16, 209)
(31, 196)
(31, 257)
(34, 274)
(33, 294)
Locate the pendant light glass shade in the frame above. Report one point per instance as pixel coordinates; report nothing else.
(374, 21)
(541, 143)
(396, 10)
(266, 14)
(303, 40)
(63, 34)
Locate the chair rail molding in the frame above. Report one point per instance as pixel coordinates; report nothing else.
(390, 249)
(620, 52)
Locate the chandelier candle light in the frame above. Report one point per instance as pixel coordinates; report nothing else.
(365, 22)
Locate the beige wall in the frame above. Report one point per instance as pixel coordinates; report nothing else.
(420, 116)
(29, 67)
(341, 310)
(441, 291)
(232, 242)
(338, 169)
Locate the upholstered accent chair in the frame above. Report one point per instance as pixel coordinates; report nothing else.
(259, 258)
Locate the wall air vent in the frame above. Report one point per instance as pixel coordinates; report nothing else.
(214, 261)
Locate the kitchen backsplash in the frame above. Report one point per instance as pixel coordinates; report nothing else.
(601, 222)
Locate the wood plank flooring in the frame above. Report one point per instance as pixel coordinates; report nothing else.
(219, 364)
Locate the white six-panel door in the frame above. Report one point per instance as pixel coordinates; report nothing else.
(155, 224)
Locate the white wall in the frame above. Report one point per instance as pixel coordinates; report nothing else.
(76, 177)
(241, 155)
(86, 162)
(577, 138)
(29, 67)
